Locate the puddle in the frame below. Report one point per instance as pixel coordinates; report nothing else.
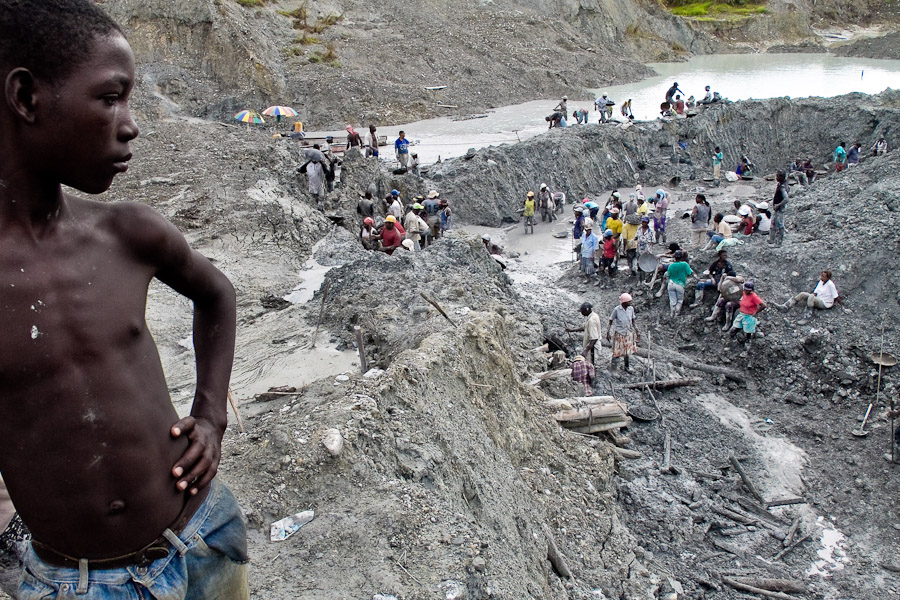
(312, 275)
(833, 553)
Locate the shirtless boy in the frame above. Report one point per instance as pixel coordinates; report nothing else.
(117, 491)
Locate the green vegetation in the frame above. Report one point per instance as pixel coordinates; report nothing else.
(251, 3)
(300, 16)
(328, 57)
(711, 10)
(306, 40)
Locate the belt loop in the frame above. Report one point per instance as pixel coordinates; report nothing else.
(175, 541)
(82, 577)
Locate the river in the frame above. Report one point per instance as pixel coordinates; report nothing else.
(734, 76)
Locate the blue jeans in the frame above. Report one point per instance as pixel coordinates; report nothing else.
(210, 563)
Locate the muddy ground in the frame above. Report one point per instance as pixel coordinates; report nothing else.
(452, 466)
(454, 480)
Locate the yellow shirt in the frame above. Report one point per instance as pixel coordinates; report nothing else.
(723, 229)
(615, 225)
(643, 209)
(529, 208)
(629, 231)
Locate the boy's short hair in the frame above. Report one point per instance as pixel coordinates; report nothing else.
(50, 37)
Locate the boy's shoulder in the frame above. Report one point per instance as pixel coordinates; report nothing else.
(132, 224)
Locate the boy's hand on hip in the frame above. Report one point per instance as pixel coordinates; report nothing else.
(198, 465)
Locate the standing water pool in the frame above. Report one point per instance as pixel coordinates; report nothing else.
(734, 76)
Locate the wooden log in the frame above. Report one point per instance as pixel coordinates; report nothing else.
(792, 546)
(747, 483)
(363, 363)
(734, 516)
(601, 426)
(791, 532)
(625, 453)
(785, 502)
(555, 557)
(707, 583)
(576, 400)
(662, 385)
(755, 590)
(728, 548)
(679, 359)
(549, 375)
(773, 585)
(592, 413)
(760, 511)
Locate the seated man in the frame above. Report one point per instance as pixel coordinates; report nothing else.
(720, 231)
(583, 372)
(665, 259)
(717, 269)
(730, 292)
(118, 492)
(823, 297)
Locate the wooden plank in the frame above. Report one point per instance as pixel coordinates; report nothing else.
(601, 426)
(755, 590)
(747, 483)
(611, 409)
(785, 502)
(663, 385)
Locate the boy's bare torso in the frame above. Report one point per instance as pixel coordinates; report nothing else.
(87, 450)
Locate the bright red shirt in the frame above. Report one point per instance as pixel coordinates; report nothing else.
(609, 248)
(390, 237)
(750, 303)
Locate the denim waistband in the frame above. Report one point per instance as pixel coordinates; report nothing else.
(122, 575)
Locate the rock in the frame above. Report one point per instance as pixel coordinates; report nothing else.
(333, 442)
(479, 564)
(453, 590)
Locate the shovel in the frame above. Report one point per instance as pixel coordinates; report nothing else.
(861, 432)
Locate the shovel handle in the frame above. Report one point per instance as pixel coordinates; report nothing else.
(866, 418)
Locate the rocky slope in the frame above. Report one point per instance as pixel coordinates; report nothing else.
(358, 62)
(584, 160)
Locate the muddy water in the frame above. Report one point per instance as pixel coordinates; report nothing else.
(736, 77)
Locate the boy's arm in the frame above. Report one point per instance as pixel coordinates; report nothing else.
(159, 243)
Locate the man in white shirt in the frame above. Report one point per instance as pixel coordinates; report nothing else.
(592, 329)
(823, 297)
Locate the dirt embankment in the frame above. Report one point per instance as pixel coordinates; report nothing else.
(884, 46)
(585, 160)
(453, 477)
(452, 467)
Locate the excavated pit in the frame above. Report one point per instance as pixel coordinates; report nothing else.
(454, 476)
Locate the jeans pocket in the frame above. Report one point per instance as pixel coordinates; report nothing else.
(32, 588)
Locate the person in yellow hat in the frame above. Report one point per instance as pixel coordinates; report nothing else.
(528, 213)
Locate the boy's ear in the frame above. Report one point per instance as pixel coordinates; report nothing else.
(19, 92)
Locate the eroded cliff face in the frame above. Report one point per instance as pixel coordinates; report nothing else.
(589, 160)
(341, 61)
(206, 57)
